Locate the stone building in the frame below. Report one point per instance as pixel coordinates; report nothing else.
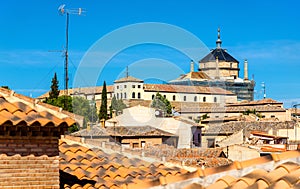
(220, 69)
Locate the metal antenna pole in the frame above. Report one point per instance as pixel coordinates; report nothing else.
(62, 11)
(66, 57)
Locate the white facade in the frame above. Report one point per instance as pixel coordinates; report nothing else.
(143, 116)
(129, 90)
(132, 88)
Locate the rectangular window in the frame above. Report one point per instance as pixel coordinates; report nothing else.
(135, 145)
(210, 142)
(117, 87)
(143, 144)
(125, 86)
(139, 86)
(133, 86)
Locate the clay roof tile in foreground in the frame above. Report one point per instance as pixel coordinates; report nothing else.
(16, 109)
(98, 169)
(275, 171)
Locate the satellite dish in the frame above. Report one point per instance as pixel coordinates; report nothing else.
(61, 9)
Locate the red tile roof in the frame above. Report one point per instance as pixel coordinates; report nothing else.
(82, 90)
(266, 101)
(123, 131)
(17, 109)
(97, 169)
(276, 171)
(194, 75)
(128, 79)
(186, 89)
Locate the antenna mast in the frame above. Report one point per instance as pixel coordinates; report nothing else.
(62, 11)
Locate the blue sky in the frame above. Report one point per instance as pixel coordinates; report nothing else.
(264, 32)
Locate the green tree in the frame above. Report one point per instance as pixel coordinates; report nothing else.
(103, 107)
(162, 103)
(117, 105)
(65, 102)
(54, 91)
(82, 106)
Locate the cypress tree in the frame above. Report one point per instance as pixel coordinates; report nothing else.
(54, 91)
(103, 107)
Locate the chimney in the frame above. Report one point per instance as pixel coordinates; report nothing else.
(245, 69)
(102, 123)
(114, 113)
(192, 66)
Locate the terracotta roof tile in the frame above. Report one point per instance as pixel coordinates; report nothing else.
(186, 89)
(16, 109)
(83, 90)
(248, 179)
(128, 79)
(222, 182)
(108, 170)
(284, 175)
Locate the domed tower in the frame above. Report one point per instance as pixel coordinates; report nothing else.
(219, 64)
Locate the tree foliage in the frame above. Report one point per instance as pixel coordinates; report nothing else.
(248, 112)
(65, 102)
(103, 107)
(77, 105)
(162, 103)
(117, 104)
(54, 91)
(82, 106)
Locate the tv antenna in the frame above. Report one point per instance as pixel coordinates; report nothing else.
(62, 11)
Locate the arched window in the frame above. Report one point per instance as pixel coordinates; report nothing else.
(174, 97)
(139, 95)
(215, 99)
(184, 98)
(165, 96)
(153, 97)
(195, 99)
(121, 95)
(133, 95)
(117, 95)
(125, 95)
(204, 99)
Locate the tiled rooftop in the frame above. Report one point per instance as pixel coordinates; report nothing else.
(235, 126)
(194, 75)
(17, 109)
(235, 109)
(83, 90)
(123, 131)
(94, 168)
(276, 171)
(185, 89)
(128, 79)
(265, 101)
